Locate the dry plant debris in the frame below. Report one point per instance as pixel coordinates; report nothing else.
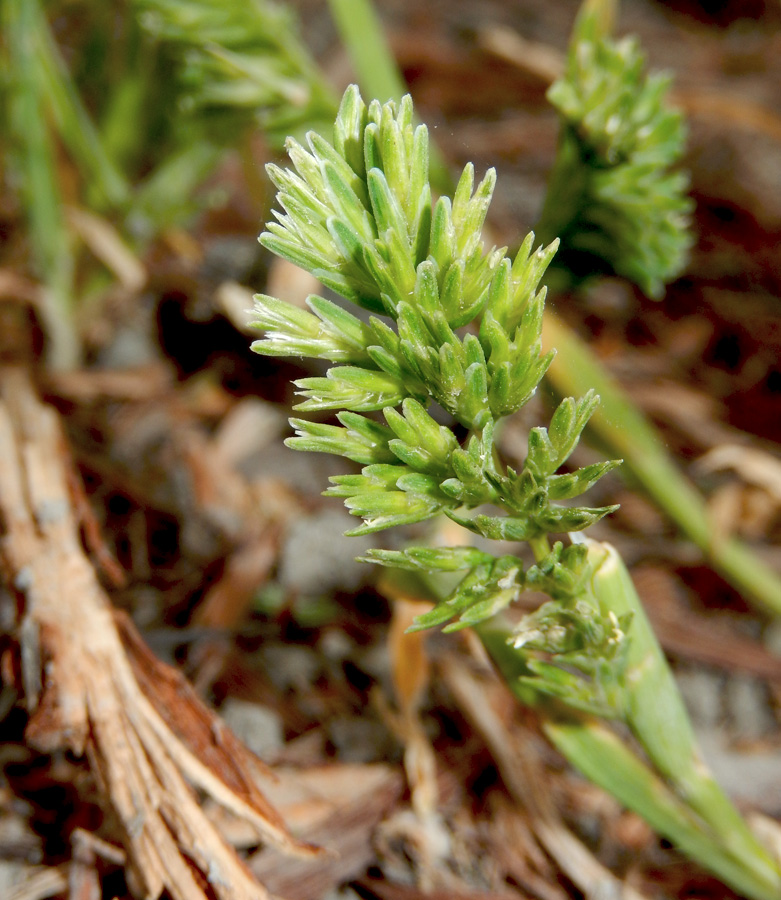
(522, 776)
(91, 685)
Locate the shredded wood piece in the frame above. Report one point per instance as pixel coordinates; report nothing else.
(39, 884)
(754, 466)
(92, 686)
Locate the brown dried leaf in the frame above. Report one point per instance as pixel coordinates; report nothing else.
(338, 807)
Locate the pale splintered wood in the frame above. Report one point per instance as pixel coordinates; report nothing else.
(93, 687)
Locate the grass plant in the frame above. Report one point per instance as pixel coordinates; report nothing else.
(241, 61)
(32, 156)
(618, 203)
(451, 332)
(615, 197)
(141, 115)
(457, 327)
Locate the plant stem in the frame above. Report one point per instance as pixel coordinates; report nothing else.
(363, 36)
(100, 173)
(540, 547)
(655, 712)
(628, 434)
(35, 161)
(604, 759)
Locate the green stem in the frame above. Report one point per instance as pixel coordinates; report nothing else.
(655, 712)
(73, 122)
(540, 547)
(604, 759)
(363, 36)
(628, 434)
(34, 159)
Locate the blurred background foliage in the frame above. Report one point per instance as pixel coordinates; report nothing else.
(125, 109)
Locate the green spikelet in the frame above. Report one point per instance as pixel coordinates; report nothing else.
(614, 198)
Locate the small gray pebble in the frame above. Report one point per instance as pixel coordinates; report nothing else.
(702, 693)
(317, 558)
(259, 727)
(771, 637)
(290, 666)
(358, 740)
(748, 708)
